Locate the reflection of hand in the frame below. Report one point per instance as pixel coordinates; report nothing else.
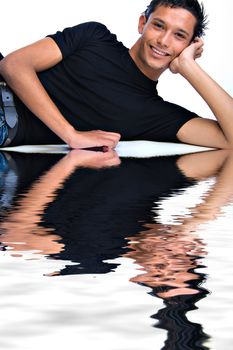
(191, 52)
(94, 138)
(22, 223)
(90, 159)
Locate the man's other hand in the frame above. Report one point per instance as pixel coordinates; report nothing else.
(191, 52)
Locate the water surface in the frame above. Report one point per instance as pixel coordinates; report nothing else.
(126, 253)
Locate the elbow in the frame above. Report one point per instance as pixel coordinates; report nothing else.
(10, 67)
(6, 67)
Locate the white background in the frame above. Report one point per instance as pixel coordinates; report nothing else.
(23, 22)
(27, 323)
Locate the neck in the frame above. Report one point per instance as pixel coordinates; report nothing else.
(149, 72)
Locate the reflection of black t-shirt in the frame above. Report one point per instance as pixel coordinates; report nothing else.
(97, 210)
(98, 86)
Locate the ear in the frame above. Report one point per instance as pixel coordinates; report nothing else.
(141, 24)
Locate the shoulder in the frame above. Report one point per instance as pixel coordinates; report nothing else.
(95, 30)
(83, 32)
(86, 29)
(73, 38)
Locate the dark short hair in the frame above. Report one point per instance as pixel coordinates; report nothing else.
(192, 6)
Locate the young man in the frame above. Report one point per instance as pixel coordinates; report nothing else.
(83, 87)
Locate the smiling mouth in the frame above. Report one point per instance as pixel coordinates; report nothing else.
(159, 52)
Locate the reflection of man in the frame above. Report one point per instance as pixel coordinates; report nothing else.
(82, 79)
(99, 209)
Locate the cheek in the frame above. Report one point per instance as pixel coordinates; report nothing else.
(180, 48)
(149, 34)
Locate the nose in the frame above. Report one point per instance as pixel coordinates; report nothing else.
(164, 39)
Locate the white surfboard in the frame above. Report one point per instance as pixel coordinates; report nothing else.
(138, 149)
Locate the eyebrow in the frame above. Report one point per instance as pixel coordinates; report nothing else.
(179, 30)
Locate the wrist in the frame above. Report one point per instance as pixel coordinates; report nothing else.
(69, 135)
(187, 66)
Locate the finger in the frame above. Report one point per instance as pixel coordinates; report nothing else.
(104, 138)
(112, 140)
(198, 42)
(199, 49)
(107, 143)
(113, 162)
(111, 154)
(199, 53)
(109, 133)
(112, 158)
(111, 143)
(107, 159)
(115, 134)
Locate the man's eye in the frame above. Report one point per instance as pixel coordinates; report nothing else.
(180, 36)
(158, 25)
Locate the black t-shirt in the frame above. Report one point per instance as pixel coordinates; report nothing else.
(97, 85)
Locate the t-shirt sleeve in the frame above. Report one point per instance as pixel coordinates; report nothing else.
(166, 120)
(74, 38)
(174, 117)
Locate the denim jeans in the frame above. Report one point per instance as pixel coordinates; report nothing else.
(8, 181)
(3, 127)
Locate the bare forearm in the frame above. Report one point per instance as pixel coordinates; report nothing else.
(219, 101)
(43, 191)
(26, 85)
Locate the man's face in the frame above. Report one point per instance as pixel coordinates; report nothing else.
(164, 36)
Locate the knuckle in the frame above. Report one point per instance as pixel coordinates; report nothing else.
(108, 142)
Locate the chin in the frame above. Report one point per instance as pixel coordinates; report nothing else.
(157, 67)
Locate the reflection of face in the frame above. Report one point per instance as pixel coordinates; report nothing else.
(164, 36)
(168, 258)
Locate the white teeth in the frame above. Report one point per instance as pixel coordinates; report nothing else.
(159, 52)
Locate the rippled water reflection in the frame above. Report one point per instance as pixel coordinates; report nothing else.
(98, 247)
